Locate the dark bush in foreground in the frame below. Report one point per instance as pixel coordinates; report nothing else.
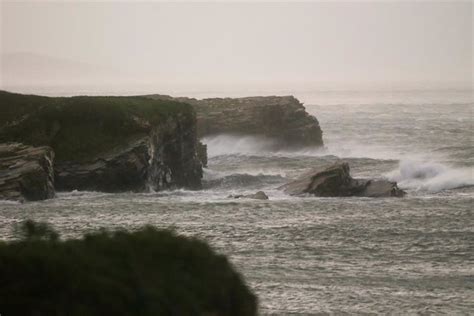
(146, 272)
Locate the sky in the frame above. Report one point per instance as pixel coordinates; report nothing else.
(185, 44)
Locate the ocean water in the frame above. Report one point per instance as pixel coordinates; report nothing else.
(324, 255)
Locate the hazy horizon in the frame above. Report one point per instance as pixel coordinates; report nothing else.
(163, 47)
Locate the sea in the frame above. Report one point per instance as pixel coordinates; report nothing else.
(311, 255)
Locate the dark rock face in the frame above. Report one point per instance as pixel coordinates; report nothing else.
(163, 160)
(202, 153)
(124, 169)
(336, 181)
(26, 172)
(175, 154)
(260, 195)
(283, 119)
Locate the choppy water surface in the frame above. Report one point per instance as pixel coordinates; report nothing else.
(316, 255)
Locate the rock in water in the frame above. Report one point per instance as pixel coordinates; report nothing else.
(382, 188)
(336, 181)
(260, 195)
(26, 172)
(280, 118)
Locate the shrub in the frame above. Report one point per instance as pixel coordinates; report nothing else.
(145, 272)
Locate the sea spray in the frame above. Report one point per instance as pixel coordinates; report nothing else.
(430, 176)
(237, 145)
(221, 145)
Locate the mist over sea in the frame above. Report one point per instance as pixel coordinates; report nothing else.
(312, 255)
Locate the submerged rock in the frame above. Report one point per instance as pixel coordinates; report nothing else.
(280, 118)
(336, 181)
(260, 195)
(26, 172)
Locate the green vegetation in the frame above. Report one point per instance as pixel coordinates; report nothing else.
(81, 127)
(146, 272)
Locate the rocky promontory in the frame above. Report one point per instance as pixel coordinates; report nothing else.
(336, 181)
(280, 118)
(108, 144)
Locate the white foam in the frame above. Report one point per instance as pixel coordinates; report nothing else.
(210, 174)
(9, 202)
(430, 176)
(74, 194)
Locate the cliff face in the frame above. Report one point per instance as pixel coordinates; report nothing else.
(26, 173)
(283, 119)
(108, 144)
(164, 159)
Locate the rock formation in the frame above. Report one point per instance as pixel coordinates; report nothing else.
(26, 172)
(109, 144)
(336, 181)
(280, 118)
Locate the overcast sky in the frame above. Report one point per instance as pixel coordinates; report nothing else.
(298, 44)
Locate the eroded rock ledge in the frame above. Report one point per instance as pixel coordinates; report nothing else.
(26, 172)
(281, 118)
(336, 181)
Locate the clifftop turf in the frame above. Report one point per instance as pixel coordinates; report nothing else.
(81, 127)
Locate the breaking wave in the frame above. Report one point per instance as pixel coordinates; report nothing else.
(416, 171)
(430, 176)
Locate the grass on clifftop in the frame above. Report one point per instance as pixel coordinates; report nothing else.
(146, 272)
(80, 127)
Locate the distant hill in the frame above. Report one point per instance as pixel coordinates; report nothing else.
(27, 69)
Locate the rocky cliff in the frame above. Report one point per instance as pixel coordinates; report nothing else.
(26, 172)
(108, 144)
(283, 119)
